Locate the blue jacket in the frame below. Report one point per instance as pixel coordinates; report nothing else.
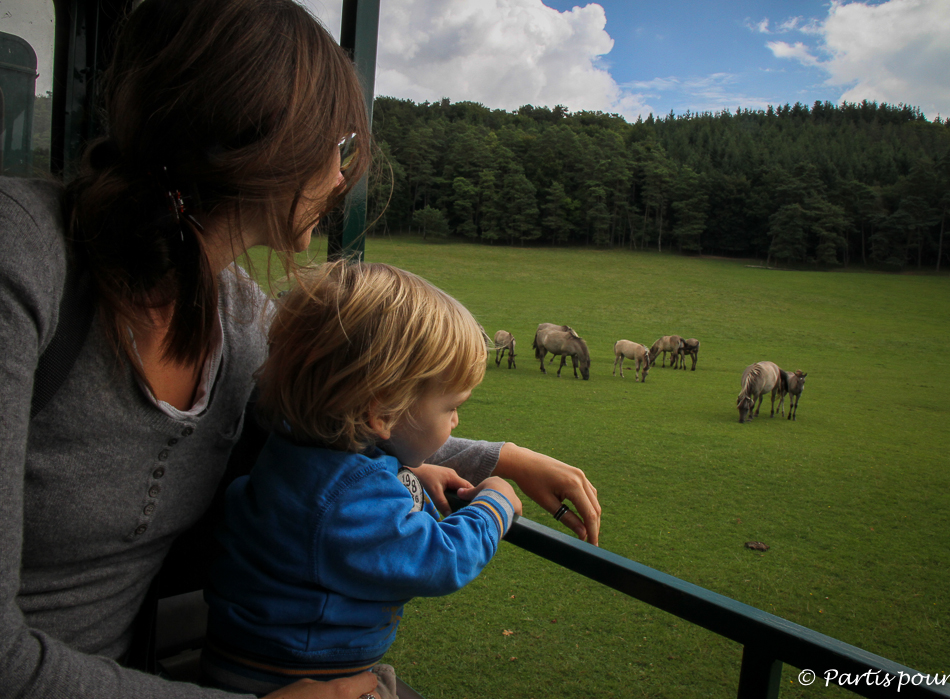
(323, 548)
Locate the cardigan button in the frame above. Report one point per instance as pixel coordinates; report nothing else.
(187, 431)
(158, 472)
(139, 530)
(154, 491)
(148, 510)
(163, 454)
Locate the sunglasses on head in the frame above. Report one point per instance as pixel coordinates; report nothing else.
(349, 149)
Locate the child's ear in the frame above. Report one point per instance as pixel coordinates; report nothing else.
(380, 426)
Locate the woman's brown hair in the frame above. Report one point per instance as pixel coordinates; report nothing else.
(236, 104)
(354, 337)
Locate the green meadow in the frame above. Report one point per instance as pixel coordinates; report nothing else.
(852, 497)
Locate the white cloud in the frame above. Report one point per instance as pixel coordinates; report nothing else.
(655, 85)
(811, 27)
(716, 91)
(797, 51)
(895, 51)
(502, 53)
(712, 93)
(791, 24)
(763, 25)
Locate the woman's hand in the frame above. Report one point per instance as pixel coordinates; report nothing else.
(436, 480)
(549, 482)
(343, 688)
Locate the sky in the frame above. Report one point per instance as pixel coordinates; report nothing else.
(636, 57)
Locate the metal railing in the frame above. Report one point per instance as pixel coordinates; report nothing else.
(768, 641)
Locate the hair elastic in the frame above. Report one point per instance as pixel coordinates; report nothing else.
(177, 206)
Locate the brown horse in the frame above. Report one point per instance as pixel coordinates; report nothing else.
(504, 342)
(561, 340)
(690, 347)
(635, 351)
(757, 380)
(667, 343)
(794, 387)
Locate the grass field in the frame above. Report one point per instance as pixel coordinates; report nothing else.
(852, 497)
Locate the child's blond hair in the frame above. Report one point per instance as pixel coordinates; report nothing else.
(351, 338)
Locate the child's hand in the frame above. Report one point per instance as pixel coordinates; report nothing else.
(436, 480)
(494, 483)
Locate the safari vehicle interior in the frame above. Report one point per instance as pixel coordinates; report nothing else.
(171, 625)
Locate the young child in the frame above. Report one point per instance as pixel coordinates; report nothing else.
(331, 533)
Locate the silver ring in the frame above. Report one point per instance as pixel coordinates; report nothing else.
(562, 510)
(366, 696)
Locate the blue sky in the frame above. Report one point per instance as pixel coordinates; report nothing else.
(704, 55)
(635, 57)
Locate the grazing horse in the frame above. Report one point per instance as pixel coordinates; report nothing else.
(635, 351)
(668, 343)
(757, 380)
(504, 342)
(795, 384)
(562, 340)
(691, 348)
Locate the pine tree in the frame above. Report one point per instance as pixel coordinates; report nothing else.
(689, 210)
(598, 217)
(557, 210)
(430, 221)
(463, 203)
(489, 214)
(787, 229)
(520, 207)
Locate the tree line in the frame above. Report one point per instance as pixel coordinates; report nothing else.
(830, 184)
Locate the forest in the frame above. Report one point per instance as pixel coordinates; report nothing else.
(826, 185)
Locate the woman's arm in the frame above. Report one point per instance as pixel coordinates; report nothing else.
(473, 460)
(545, 480)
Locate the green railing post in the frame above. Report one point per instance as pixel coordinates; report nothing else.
(83, 46)
(760, 675)
(358, 35)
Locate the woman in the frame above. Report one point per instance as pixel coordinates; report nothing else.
(225, 119)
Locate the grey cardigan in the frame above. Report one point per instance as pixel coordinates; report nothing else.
(94, 490)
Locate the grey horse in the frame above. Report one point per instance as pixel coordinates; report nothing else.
(668, 343)
(795, 384)
(505, 342)
(757, 380)
(636, 352)
(690, 347)
(562, 340)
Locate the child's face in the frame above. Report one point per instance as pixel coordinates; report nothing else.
(426, 426)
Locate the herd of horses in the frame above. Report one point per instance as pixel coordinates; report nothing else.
(561, 340)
